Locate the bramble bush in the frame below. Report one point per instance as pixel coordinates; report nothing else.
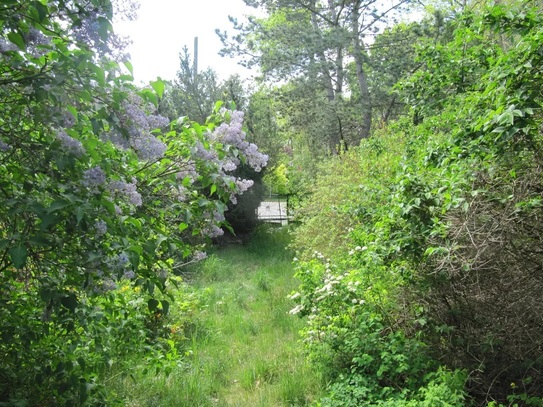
(97, 192)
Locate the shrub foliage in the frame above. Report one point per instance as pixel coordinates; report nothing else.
(429, 288)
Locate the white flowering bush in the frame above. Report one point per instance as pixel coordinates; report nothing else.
(97, 192)
(352, 333)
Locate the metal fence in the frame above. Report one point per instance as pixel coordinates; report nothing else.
(274, 209)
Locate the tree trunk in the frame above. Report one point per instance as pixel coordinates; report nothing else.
(361, 75)
(332, 128)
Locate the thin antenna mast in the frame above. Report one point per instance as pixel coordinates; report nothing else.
(195, 56)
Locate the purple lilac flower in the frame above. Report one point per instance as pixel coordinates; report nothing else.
(212, 231)
(4, 146)
(128, 190)
(189, 171)
(108, 285)
(243, 185)
(70, 144)
(218, 216)
(229, 165)
(139, 125)
(199, 255)
(233, 134)
(36, 37)
(88, 30)
(157, 122)
(129, 275)
(148, 147)
(100, 227)
(94, 177)
(255, 158)
(6, 46)
(122, 259)
(68, 119)
(204, 154)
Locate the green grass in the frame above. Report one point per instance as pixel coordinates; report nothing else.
(242, 348)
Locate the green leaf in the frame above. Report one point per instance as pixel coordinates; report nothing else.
(129, 66)
(158, 86)
(79, 214)
(73, 111)
(18, 256)
(134, 258)
(48, 220)
(165, 307)
(41, 10)
(81, 363)
(134, 222)
(152, 304)
(182, 226)
(17, 39)
(58, 205)
(100, 75)
(69, 301)
(104, 28)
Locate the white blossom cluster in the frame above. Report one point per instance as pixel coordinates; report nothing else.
(324, 288)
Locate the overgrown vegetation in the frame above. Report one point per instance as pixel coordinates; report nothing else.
(236, 343)
(414, 162)
(442, 280)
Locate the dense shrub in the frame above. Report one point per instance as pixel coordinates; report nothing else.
(97, 191)
(444, 249)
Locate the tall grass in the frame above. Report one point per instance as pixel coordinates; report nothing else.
(242, 348)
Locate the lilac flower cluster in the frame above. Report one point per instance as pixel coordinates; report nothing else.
(230, 165)
(4, 146)
(36, 37)
(129, 275)
(33, 39)
(243, 185)
(199, 256)
(212, 231)
(148, 147)
(126, 190)
(139, 125)
(188, 171)
(255, 158)
(6, 46)
(70, 144)
(108, 285)
(202, 153)
(88, 31)
(232, 134)
(68, 119)
(100, 228)
(93, 178)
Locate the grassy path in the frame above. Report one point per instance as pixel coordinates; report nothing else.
(243, 349)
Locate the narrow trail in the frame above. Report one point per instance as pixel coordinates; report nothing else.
(251, 353)
(244, 348)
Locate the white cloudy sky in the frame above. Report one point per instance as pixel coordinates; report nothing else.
(163, 27)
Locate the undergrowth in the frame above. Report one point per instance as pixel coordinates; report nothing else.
(236, 343)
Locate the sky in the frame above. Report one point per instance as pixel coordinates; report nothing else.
(164, 27)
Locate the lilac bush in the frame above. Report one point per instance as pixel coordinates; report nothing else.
(97, 192)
